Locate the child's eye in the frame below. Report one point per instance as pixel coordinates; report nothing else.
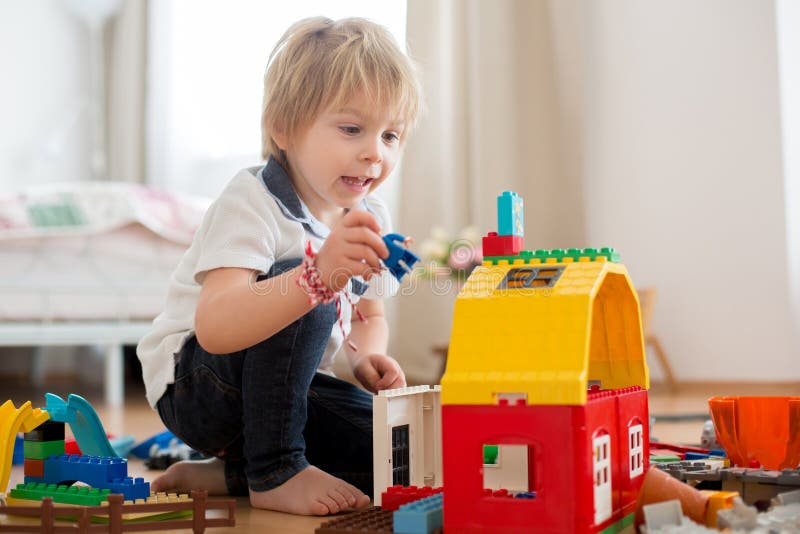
(391, 137)
(350, 130)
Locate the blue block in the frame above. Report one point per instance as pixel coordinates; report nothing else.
(419, 517)
(397, 253)
(689, 456)
(95, 471)
(142, 450)
(18, 458)
(131, 488)
(510, 220)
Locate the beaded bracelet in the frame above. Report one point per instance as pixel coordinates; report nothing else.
(310, 281)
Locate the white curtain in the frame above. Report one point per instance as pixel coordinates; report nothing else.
(126, 45)
(496, 119)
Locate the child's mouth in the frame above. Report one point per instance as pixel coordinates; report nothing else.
(355, 183)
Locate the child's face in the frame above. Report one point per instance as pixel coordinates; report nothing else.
(343, 155)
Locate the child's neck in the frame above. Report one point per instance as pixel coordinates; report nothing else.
(329, 217)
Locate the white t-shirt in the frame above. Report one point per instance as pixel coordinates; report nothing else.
(257, 220)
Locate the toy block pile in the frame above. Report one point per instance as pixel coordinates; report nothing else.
(41, 443)
(50, 473)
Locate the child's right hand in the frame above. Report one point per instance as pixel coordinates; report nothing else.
(353, 248)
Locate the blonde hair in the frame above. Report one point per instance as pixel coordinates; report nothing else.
(319, 63)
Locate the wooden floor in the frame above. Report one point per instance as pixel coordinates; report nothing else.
(138, 420)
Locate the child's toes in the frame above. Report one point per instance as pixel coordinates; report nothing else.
(330, 503)
(340, 497)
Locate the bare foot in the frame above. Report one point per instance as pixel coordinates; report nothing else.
(310, 492)
(188, 475)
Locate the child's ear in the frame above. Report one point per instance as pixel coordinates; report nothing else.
(281, 139)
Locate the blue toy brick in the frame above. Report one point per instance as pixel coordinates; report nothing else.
(398, 253)
(95, 471)
(142, 449)
(510, 220)
(420, 517)
(18, 458)
(131, 488)
(695, 456)
(525, 495)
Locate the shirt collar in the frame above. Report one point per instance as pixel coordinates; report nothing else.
(280, 187)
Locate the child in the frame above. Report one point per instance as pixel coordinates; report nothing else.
(238, 363)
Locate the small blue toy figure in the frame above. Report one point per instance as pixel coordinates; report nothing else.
(400, 260)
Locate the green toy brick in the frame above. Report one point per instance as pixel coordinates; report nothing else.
(490, 454)
(82, 495)
(42, 450)
(664, 459)
(559, 255)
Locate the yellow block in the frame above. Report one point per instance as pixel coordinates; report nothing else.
(545, 342)
(717, 500)
(13, 420)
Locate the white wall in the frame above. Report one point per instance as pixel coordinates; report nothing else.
(788, 18)
(683, 174)
(43, 119)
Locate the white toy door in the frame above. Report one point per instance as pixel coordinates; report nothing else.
(601, 450)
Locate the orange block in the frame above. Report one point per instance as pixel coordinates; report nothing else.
(758, 430)
(34, 468)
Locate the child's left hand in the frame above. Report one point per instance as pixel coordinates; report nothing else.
(379, 371)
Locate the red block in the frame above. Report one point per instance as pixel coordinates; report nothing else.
(396, 496)
(34, 468)
(560, 463)
(502, 245)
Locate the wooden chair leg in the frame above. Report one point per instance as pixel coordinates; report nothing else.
(663, 361)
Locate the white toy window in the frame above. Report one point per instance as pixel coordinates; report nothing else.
(601, 448)
(635, 451)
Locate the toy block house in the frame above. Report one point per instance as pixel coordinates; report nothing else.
(546, 367)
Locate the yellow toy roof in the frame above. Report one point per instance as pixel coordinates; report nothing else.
(544, 330)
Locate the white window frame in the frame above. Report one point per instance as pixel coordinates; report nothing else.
(635, 451)
(601, 470)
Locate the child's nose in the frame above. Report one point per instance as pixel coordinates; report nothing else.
(371, 152)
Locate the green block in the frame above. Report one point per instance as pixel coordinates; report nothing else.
(42, 450)
(82, 495)
(490, 454)
(664, 459)
(559, 254)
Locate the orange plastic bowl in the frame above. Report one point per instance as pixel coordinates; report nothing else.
(763, 430)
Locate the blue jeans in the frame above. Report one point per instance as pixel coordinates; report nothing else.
(267, 413)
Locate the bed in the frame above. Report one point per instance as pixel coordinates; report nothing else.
(88, 263)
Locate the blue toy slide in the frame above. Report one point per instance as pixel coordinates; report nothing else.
(84, 422)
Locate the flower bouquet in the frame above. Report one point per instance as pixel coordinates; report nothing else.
(451, 257)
